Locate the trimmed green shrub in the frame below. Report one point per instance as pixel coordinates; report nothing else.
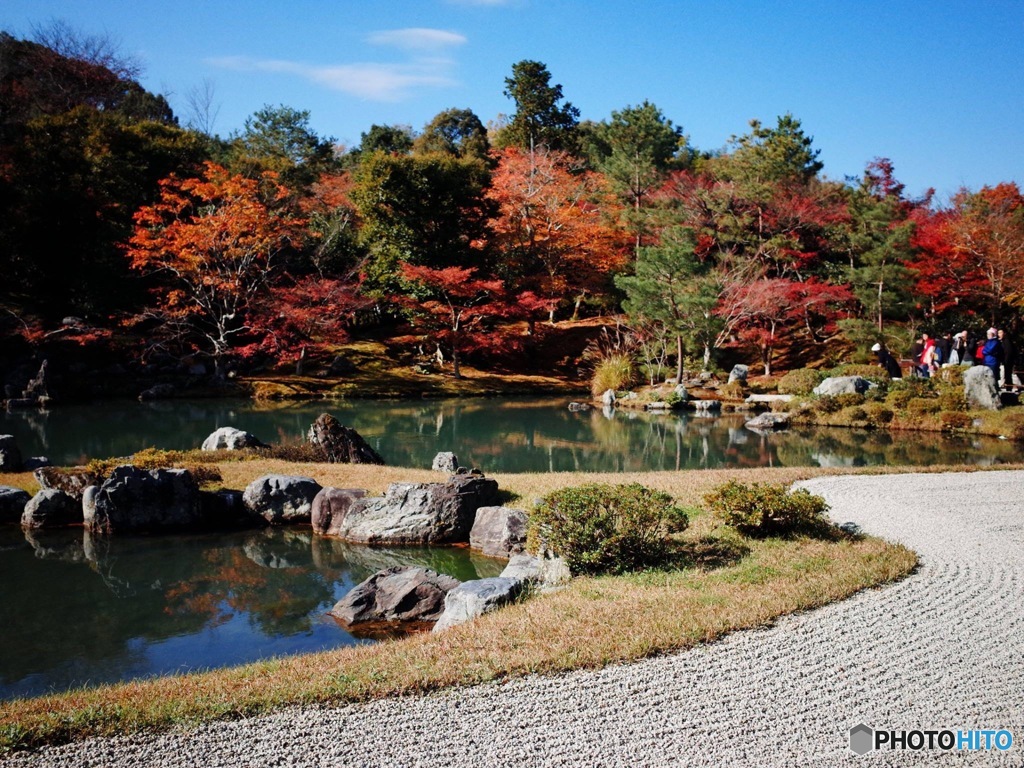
(601, 528)
(801, 381)
(766, 509)
(873, 373)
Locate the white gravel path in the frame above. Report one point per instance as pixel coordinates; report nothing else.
(941, 649)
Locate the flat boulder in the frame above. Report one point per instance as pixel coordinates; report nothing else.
(400, 593)
(12, 503)
(499, 531)
(980, 389)
(134, 500)
(341, 444)
(330, 506)
(843, 385)
(420, 513)
(769, 421)
(542, 573)
(51, 509)
(281, 499)
(230, 439)
(10, 455)
(475, 598)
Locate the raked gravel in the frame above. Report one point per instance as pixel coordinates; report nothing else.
(943, 648)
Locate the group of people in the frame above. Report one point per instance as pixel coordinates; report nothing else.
(929, 354)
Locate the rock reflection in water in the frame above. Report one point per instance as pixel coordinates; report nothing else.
(86, 609)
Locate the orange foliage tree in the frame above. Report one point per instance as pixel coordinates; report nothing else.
(212, 243)
(554, 226)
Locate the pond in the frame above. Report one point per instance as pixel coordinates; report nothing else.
(84, 610)
(508, 435)
(93, 610)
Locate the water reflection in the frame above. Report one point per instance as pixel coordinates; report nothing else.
(100, 609)
(496, 435)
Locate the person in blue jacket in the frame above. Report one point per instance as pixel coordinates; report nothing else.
(992, 354)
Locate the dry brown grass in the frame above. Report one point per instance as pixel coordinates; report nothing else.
(593, 622)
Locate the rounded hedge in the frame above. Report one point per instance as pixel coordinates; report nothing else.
(600, 528)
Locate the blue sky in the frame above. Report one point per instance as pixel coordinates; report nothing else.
(937, 87)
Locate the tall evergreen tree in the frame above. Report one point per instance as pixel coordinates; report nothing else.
(540, 118)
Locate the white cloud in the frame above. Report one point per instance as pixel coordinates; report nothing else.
(417, 39)
(374, 82)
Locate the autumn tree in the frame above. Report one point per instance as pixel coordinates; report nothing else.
(554, 227)
(212, 242)
(454, 306)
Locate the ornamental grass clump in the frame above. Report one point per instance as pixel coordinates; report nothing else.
(616, 372)
(767, 509)
(601, 528)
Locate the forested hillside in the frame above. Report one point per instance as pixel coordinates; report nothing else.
(127, 240)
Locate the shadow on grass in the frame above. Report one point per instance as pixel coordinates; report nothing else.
(707, 553)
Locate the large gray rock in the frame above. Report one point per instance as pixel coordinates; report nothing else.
(401, 593)
(445, 461)
(738, 373)
(608, 398)
(980, 388)
(230, 439)
(769, 421)
(341, 444)
(843, 385)
(681, 393)
(51, 509)
(330, 506)
(419, 513)
(10, 456)
(281, 499)
(499, 531)
(12, 503)
(139, 500)
(541, 573)
(475, 598)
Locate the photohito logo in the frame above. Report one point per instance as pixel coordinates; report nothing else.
(864, 739)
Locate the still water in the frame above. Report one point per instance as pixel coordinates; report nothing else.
(495, 435)
(83, 610)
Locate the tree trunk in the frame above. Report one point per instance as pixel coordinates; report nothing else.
(679, 359)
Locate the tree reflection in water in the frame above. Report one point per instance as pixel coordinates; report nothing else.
(92, 609)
